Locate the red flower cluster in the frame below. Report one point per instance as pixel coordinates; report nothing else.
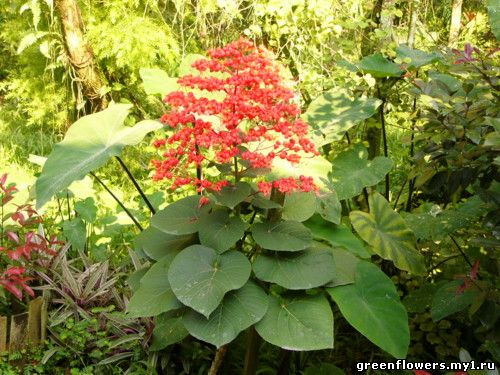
(256, 122)
(19, 254)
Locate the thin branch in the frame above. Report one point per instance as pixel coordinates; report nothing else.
(461, 251)
(137, 187)
(137, 224)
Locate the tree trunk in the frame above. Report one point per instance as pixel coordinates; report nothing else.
(80, 54)
(414, 4)
(456, 15)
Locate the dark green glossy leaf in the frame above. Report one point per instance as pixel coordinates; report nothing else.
(372, 306)
(156, 244)
(299, 206)
(154, 295)
(306, 269)
(200, 277)
(282, 236)
(238, 310)
(298, 323)
(180, 217)
(168, 330)
(230, 196)
(336, 235)
(219, 231)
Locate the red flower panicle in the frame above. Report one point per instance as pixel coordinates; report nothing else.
(256, 122)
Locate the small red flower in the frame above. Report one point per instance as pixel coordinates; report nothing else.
(253, 121)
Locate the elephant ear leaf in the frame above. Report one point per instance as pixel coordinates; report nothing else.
(388, 234)
(88, 144)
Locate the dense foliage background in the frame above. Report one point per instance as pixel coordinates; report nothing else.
(402, 97)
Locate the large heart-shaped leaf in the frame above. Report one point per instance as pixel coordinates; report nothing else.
(306, 269)
(230, 196)
(334, 112)
(416, 58)
(168, 330)
(379, 67)
(372, 306)
(219, 231)
(352, 171)
(494, 16)
(299, 206)
(156, 244)
(329, 207)
(88, 144)
(238, 310)
(447, 301)
(388, 234)
(345, 267)
(282, 236)
(154, 295)
(180, 217)
(200, 277)
(157, 81)
(336, 235)
(298, 323)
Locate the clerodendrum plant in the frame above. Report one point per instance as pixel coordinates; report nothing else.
(241, 253)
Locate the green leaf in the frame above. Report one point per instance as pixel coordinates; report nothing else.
(329, 207)
(306, 269)
(447, 301)
(388, 234)
(200, 277)
(157, 81)
(87, 209)
(440, 224)
(154, 295)
(352, 171)
(180, 217)
(156, 244)
(494, 16)
(76, 233)
(345, 267)
(282, 236)
(261, 201)
(299, 206)
(231, 196)
(168, 330)
(298, 323)
(417, 58)
(372, 306)
(418, 300)
(134, 280)
(336, 235)
(238, 310)
(219, 231)
(88, 144)
(379, 67)
(334, 112)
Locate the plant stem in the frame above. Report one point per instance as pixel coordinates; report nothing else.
(411, 184)
(399, 194)
(137, 187)
(461, 251)
(137, 224)
(217, 362)
(384, 140)
(253, 343)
